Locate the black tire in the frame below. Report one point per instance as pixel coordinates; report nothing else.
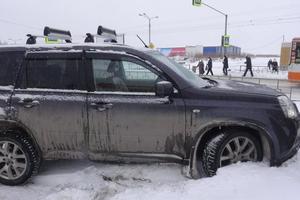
(28, 151)
(216, 147)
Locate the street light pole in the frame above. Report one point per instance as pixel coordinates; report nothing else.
(226, 19)
(149, 23)
(149, 31)
(226, 16)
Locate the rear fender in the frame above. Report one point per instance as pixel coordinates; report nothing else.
(6, 125)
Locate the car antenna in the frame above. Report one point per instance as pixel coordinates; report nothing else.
(142, 41)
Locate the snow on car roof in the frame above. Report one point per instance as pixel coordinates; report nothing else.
(60, 45)
(71, 46)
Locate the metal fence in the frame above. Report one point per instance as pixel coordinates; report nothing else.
(290, 88)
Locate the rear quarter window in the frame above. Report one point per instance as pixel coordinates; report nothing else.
(52, 74)
(9, 64)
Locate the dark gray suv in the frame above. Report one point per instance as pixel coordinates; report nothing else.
(117, 103)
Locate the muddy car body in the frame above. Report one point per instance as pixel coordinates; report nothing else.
(117, 103)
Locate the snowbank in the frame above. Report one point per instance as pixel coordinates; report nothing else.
(84, 180)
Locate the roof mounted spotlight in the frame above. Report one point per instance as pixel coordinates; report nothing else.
(51, 35)
(57, 34)
(104, 34)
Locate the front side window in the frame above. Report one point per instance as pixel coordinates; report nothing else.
(52, 74)
(135, 71)
(179, 69)
(124, 75)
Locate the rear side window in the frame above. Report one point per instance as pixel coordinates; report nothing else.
(52, 74)
(9, 64)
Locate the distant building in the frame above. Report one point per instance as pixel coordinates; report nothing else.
(285, 54)
(216, 51)
(200, 51)
(172, 52)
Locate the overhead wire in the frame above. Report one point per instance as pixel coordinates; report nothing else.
(239, 25)
(269, 43)
(19, 24)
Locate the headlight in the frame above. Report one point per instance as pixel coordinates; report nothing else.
(287, 107)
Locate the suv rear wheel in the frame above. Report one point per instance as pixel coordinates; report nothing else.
(228, 148)
(18, 159)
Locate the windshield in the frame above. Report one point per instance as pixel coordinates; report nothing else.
(189, 76)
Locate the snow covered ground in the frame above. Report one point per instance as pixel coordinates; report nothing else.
(259, 68)
(85, 180)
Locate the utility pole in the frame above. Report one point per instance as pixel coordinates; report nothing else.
(149, 23)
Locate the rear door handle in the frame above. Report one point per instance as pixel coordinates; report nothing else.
(107, 105)
(101, 106)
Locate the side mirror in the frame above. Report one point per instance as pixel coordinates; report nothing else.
(163, 88)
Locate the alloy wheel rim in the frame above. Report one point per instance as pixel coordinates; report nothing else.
(13, 162)
(238, 149)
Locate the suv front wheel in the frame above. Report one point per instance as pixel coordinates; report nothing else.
(18, 159)
(228, 148)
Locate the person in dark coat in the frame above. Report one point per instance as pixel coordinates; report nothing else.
(209, 67)
(275, 66)
(248, 66)
(225, 65)
(270, 63)
(201, 67)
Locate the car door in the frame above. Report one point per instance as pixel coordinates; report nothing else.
(126, 118)
(50, 101)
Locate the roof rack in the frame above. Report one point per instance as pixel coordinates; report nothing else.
(51, 35)
(105, 34)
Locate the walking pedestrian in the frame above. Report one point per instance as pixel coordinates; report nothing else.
(201, 67)
(275, 66)
(270, 64)
(225, 65)
(209, 67)
(248, 66)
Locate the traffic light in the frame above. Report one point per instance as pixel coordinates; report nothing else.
(197, 2)
(225, 40)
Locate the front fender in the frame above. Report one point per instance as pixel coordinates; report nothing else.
(208, 130)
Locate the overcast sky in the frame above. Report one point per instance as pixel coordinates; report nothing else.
(257, 26)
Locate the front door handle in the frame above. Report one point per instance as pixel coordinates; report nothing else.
(28, 103)
(101, 106)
